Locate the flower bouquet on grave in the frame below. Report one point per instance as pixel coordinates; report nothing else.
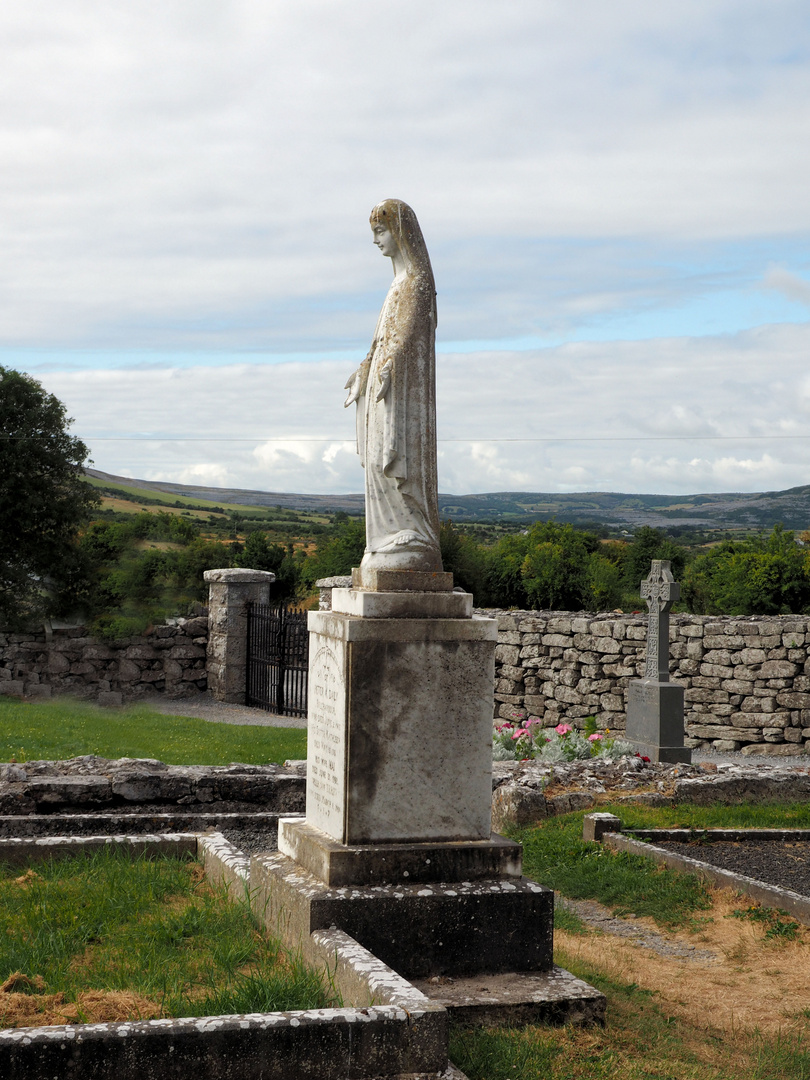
(527, 740)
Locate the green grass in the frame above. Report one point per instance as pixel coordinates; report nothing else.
(775, 922)
(686, 816)
(66, 728)
(148, 926)
(555, 854)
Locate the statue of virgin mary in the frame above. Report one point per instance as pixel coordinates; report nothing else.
(395, 391)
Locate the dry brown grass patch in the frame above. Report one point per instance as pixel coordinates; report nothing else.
(90, 1007)
(752, 984)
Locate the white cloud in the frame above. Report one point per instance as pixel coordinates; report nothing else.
(681, 415)
(623, 182)
(199, 175)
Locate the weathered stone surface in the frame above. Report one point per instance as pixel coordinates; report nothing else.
(69, 790)
(372, 757)
(418, 930)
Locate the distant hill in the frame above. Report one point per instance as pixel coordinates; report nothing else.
(727, 511)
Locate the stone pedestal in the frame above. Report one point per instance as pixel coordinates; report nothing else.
(655, 720)
(400, 723)
(229, 591)
(396, 849)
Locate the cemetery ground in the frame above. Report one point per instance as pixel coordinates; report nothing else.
(92, 938)
(700, 983)
(700, 986)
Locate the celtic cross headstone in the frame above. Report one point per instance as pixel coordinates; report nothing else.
(660, 590)
(655, 712)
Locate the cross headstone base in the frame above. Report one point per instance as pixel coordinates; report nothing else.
(655, 720)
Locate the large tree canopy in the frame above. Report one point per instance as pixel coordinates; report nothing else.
(43, 498)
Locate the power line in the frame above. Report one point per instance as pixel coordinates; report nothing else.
(468, 439)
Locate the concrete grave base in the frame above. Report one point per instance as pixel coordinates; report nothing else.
(415, 581)
(655, 720)
(421, 930)
(519, 997)
(389, 1030)
(338, 864)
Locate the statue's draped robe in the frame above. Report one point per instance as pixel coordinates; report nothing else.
(396, 436)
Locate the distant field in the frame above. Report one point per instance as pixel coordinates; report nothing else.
(132, 506)
(738, 512)
(133, 495)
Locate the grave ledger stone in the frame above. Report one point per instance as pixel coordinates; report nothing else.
(396, 848)
(655, 721)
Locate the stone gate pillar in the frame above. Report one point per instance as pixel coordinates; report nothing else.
(228, 593)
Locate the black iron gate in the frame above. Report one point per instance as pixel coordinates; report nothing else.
(277, 658)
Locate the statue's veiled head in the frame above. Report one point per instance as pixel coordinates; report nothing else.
(400, 220)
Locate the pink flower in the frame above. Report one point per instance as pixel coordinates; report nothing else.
(563, 729)
(595, 737)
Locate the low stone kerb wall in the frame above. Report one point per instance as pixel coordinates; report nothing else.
(746, 679)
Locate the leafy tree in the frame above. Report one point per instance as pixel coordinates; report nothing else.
(555, 570)
(649, 544)
(505, 582)
(465, 560)
(260, 554)
(338, 554)
(554, 566)
(760, 576)
(43, 500)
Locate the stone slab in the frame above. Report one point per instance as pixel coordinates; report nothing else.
(460, 929)
(339, 626)
(338, 864)
(655, 720)
(517, 998)
(402, 605)
(401, 580)
(19, 851)
(32, 824)
(400, 728)
(371, 1043)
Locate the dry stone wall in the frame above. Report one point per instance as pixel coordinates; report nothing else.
(747, 680)
(170, 659)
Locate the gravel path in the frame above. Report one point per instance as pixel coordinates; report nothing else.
(218, 712)
(785, 864)
(602, 918)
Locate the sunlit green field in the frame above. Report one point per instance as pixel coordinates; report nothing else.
(65, 728)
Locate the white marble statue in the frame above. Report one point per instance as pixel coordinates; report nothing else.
(395, 391)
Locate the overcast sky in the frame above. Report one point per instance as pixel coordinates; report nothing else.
(614, 196)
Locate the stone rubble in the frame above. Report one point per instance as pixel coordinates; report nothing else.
(523, 791)
(527, 791)
(145, 785)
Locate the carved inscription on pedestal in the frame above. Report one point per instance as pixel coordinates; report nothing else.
(326, 755)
